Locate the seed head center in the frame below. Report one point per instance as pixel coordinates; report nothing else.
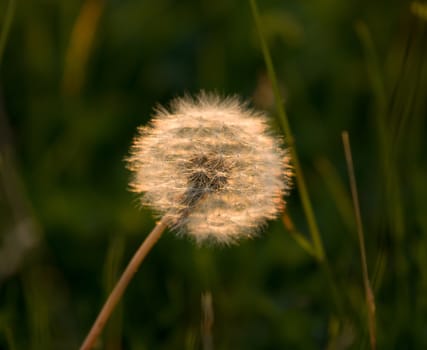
(207, 173)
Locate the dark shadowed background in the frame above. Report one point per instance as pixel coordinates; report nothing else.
(76, 80)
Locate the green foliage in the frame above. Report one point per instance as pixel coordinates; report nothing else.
(78, 77)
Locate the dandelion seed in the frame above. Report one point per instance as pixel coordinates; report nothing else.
(212, 167)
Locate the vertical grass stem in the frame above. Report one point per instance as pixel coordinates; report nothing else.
(308, 210)
(370, 300)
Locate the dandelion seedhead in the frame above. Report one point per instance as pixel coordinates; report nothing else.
(211, 166)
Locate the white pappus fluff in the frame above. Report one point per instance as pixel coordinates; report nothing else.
(212, 167)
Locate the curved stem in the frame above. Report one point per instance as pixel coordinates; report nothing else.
(122, 284)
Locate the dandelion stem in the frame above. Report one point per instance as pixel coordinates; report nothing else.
(370, 300)
(122, 284)
(305, 199)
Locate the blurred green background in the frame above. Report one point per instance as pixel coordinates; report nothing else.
(78, 77)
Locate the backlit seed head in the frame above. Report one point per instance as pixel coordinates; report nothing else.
(212, 167)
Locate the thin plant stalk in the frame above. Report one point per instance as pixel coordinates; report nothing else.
(370, 299)
(337, 189)
(302, 241)
(122, 284)
(305, 199)
(385, 128)
(6, 27)
(393, 212)
(316, 244)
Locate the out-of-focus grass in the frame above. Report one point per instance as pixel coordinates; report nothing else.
(316, 243)
(78, 77)
(9, 12)
(112, 269)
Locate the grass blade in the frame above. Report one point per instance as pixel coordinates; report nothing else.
(306, 203)
(370, 300)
